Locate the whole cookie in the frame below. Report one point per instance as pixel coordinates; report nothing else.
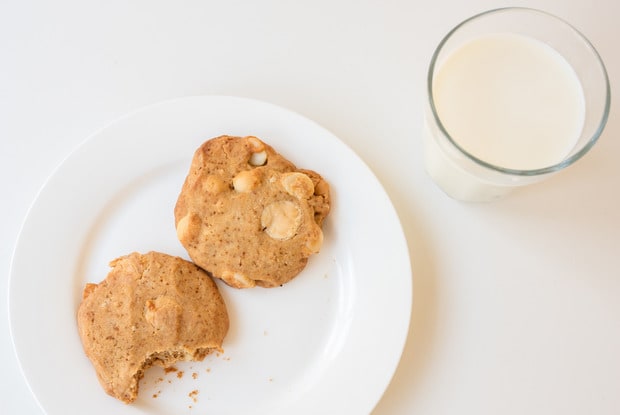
(150, 309)
(249, 216)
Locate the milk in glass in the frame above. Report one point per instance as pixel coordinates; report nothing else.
(508, 100)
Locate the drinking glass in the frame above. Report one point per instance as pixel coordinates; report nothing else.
(469, 176)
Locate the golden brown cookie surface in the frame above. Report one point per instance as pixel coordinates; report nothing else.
(150, 309)
(249, 216)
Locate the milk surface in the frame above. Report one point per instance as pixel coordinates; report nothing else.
(509, 100)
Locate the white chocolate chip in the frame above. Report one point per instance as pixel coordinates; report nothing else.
(237, 280)
(183, 227)
(281, 219)
(297, 184)
(259, 155)
(315, 240)
(245, 181)
(258, 159)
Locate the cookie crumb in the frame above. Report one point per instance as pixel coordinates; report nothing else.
(180, 374)
(195, 375)
(193, 394)
(159, 380)
(170, 369)
(208, 369)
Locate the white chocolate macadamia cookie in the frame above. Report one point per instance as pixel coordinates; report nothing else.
(151, 309)
(249, 216)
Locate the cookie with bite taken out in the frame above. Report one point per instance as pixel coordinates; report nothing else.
(151, 309)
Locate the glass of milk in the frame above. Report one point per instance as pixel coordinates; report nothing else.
(514, 95)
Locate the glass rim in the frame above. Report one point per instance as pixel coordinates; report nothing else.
(520, 172)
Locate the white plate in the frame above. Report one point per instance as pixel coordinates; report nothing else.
(328, 342)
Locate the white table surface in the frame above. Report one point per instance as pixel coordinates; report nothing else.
(516, 303)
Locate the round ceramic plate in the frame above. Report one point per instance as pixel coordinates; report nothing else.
(327, 342)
